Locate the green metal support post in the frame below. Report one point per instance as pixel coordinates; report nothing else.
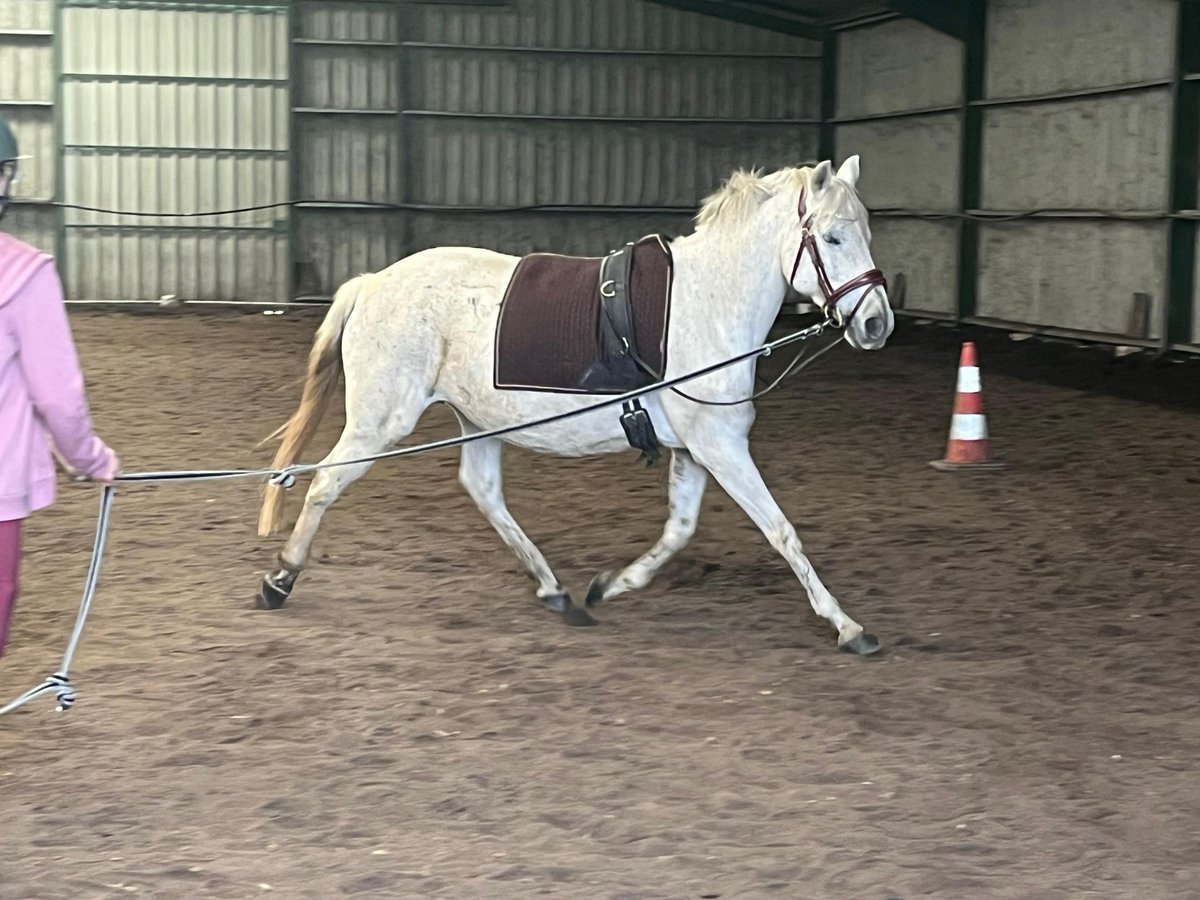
(971, 160)
(827, 143)
(293, 211)
(60, 152)
(1184, 174)
(404, 96)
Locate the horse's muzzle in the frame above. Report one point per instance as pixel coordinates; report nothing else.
(870, 328)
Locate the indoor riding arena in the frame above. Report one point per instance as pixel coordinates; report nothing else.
(1005, 492)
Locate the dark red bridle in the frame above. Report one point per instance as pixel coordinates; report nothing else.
(808, 241)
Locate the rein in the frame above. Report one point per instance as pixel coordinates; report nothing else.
(794, 366)
(59, 683)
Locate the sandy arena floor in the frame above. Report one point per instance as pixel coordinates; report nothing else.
(413, 724)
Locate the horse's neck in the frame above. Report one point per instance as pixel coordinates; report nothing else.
(733, 286)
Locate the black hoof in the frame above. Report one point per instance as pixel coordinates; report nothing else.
(864, 645)
(556, 602)
(597, 588)
(577, 616)
(271, 595)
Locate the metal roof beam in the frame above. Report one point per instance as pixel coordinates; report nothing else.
(947, 17)
(753, 14)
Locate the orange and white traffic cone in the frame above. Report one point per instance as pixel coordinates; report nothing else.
(969, 446)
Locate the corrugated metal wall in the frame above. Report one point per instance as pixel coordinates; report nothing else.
(1102, 152)
(349, 145)
(1099, 159)
(622, 113)
(27, 101)
(619, 115)
(595, 104)
(574, 125)
(898, 88)
(174, 110)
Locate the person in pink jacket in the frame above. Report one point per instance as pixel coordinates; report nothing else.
(43, 406)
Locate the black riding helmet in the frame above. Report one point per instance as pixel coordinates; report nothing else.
(9, 155)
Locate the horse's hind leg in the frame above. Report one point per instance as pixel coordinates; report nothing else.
(363, 436)
(688, 480)
(481, 474)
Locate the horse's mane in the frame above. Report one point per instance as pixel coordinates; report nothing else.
(735, 201)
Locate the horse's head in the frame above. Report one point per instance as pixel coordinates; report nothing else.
(827, 255)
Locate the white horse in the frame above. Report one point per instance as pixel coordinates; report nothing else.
(423, 331)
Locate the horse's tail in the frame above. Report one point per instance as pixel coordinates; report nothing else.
(324, 369)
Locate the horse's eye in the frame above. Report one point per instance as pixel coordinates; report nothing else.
(833, 239)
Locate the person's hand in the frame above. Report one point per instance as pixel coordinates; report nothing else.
(112, 468)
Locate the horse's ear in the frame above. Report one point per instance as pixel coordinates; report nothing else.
(821, 177)
(849, 171)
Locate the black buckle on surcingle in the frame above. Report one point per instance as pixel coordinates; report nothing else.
(639, 431)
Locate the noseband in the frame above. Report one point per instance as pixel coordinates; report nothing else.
(808, 241)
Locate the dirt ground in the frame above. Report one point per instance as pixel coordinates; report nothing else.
(413, 724)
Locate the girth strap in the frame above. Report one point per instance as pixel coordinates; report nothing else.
(620, 343)
(616, 317)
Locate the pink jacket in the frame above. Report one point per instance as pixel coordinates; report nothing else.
(42, 400)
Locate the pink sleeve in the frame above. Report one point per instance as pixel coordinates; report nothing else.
(52, 374)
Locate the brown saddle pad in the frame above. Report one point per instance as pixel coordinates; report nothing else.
(548, 333)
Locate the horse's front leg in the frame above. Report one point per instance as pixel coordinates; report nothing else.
(726, 454)
(688, 480)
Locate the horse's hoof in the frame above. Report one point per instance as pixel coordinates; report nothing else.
(864, 645)
(596, 589)
(577, 616)
(270, 595)
(557, 602)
